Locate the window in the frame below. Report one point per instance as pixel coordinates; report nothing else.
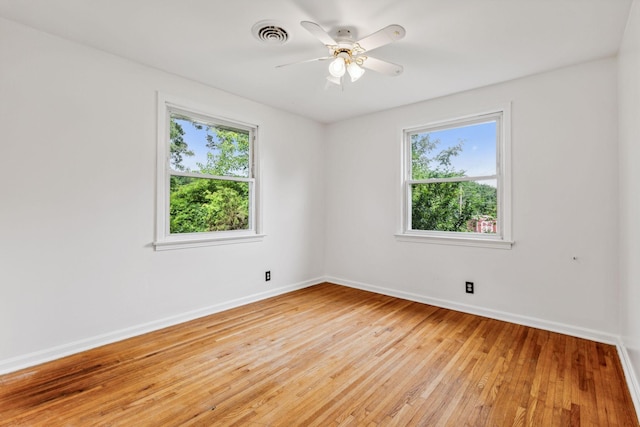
(206, 178)
(456, 181)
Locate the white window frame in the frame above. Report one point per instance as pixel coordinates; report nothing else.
(501, 240)
(164, 238)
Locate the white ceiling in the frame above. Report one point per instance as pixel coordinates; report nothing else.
(450, 46)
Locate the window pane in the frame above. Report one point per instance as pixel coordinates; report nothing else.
(459, 151)
(201, 205)
(206, 148)
(469, 206)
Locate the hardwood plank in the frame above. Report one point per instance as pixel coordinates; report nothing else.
(329, 356)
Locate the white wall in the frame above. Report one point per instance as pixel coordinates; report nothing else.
(78, 188)
(77, 209)
(565, 204)
(629, 97)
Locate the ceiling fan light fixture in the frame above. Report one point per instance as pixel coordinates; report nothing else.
(337, 67)
(349, 56)
(355, 71)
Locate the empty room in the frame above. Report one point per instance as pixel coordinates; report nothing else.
(295, 212)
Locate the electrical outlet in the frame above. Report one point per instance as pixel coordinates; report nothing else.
(468, 287)
(267, 276)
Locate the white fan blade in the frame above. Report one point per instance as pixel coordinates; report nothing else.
(307, 60)
(319, 33)
(388, 34)
(382, 67)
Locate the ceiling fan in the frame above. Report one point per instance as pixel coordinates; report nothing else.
(349, 56)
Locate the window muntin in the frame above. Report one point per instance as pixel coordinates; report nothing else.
(207, 187)
(454, 179)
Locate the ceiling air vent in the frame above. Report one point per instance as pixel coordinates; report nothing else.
(270, 32)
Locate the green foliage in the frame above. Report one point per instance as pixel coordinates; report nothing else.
(179, 147)
(437, 166)
(201, 204)
(445, 206)
(228, 155)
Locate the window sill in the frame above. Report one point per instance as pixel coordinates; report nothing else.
(455, 241)
(184, 243)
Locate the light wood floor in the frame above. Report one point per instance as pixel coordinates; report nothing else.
(328, 356)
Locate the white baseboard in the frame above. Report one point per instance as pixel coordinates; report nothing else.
(47, 355)
(533, 322)
(630, 375)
